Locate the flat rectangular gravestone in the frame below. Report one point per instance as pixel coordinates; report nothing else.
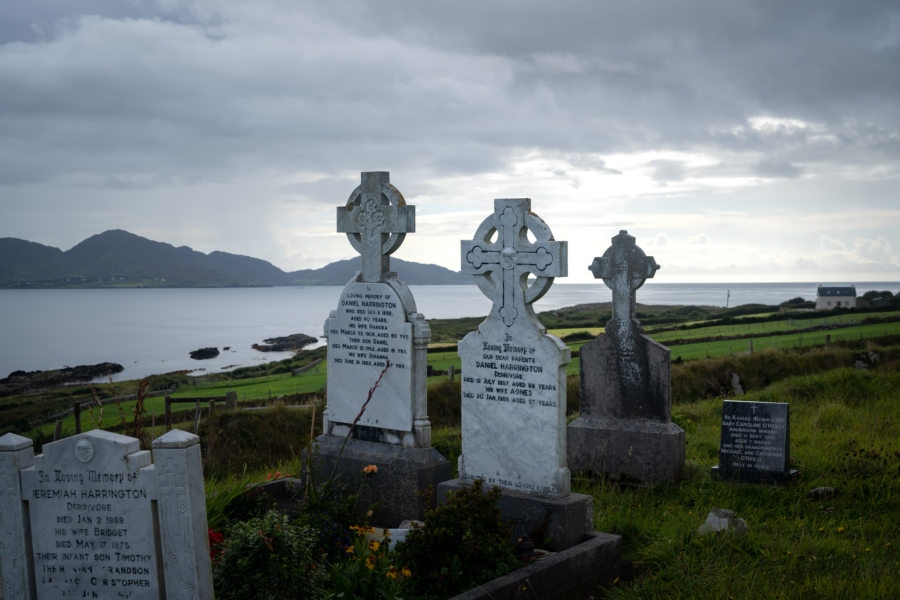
(102, 521)
(755, 443)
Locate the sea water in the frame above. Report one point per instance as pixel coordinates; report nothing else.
(153, 330)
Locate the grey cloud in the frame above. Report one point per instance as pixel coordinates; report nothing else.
(774, 168)
(667, 170)
(450, 88)
(129, 95)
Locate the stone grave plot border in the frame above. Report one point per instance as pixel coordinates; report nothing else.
(93, 517)
(755, 443)
(596, 558)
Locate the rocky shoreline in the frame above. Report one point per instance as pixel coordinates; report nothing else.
(24, 381)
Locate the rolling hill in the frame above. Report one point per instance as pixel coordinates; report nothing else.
(117, 258)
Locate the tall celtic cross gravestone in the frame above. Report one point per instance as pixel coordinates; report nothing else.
(376, 335)
(624, 429)
(514, 380)
(513, 372)
(376, 324)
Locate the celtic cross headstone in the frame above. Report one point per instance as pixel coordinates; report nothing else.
(624, 268)
(513, 372)
(624, 427)
(377, 327)
(377, 336)
(376, 219)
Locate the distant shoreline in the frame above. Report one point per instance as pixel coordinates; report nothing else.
(862, 286)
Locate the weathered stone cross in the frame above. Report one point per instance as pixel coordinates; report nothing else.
(624, 267)
(376, 218)
(514, 257)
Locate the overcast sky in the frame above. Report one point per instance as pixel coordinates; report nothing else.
(737, 141)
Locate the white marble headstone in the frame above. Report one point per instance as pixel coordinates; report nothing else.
(91, 521)
(103, 521)
(376, 332)
(513, 372)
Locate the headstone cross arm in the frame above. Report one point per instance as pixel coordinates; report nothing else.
(501, 267)
(376, 218)
(624, 268)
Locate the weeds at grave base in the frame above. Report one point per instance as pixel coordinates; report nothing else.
(330, 523)
(353, 565)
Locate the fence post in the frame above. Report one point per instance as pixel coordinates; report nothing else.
(232, 400)
(196, 416)
(77, 412)
(168, 413)
(57, 430)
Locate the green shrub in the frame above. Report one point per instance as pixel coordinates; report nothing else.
(464, 543)
(367, 571)
(247, 440)
(267, 558)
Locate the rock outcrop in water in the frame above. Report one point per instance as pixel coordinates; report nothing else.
(296, 341)
(204, 353)
(24, 381)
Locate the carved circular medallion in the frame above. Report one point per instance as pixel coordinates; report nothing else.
(84, 451)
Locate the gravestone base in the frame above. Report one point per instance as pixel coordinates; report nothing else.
(643, 451)
(754, 476)
(552, 523)
(397, 488)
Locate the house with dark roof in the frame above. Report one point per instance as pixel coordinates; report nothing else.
(828, 297)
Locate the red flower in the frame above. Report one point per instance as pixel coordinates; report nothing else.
(215, 538)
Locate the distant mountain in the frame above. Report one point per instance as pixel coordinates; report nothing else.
(340, 272)
(118, 258)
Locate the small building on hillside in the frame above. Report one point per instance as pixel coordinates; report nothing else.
(828, 298)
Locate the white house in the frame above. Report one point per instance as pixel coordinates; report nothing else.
(828, 298)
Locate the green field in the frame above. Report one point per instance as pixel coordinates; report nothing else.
(780, 334)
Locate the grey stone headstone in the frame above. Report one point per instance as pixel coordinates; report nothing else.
(624, 429)
(513, 372)
(103, 520)
(755, 442)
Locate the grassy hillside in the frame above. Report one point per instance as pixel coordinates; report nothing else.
(845, 435)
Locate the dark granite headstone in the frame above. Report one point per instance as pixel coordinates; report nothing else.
(625, 430)
(755, 444)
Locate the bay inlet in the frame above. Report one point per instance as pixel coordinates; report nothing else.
(152, 330)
